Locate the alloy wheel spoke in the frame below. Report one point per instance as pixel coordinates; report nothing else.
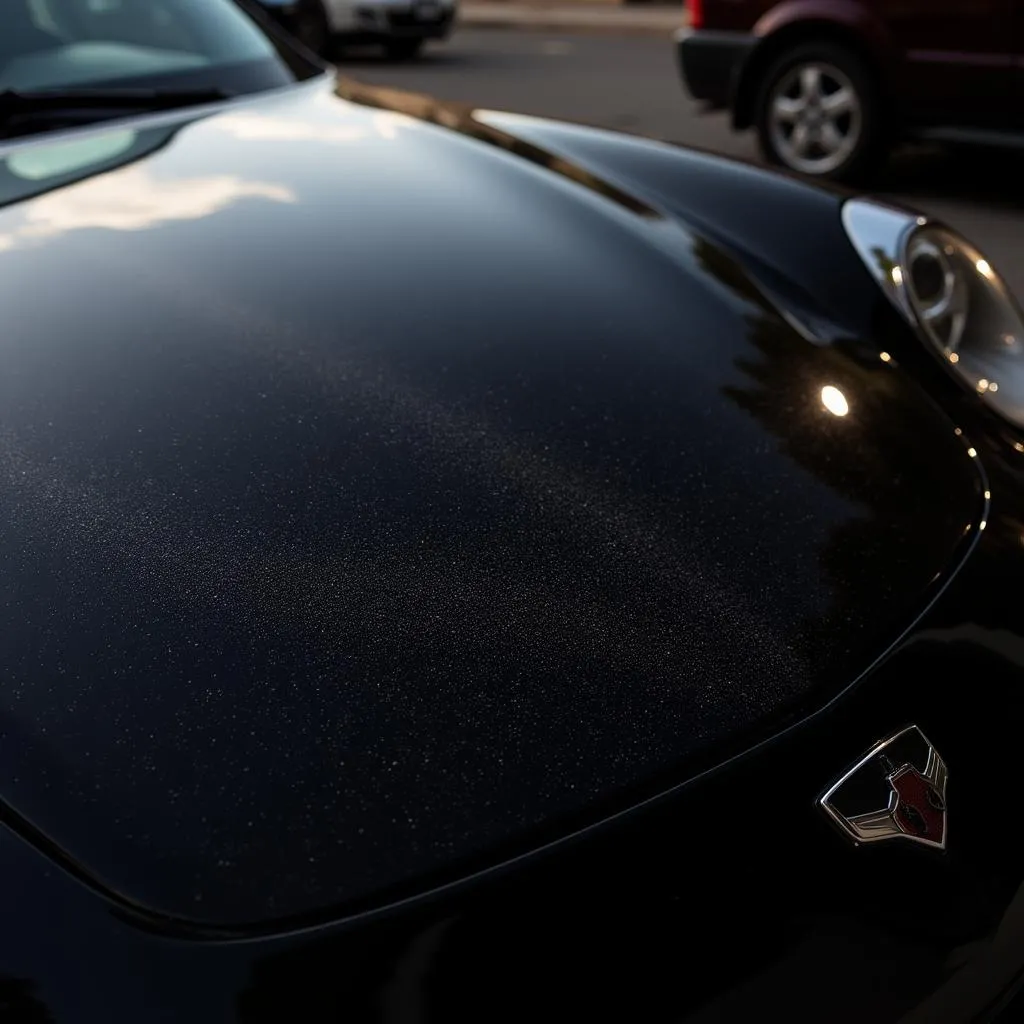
(800, 140)
(788, 108)
(810, 82)
(838, 102)
(831, 138)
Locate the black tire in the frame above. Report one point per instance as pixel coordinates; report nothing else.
(403, 49)
(312, 28)
(865, 139)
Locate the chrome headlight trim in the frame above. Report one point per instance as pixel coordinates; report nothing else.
(880, 234)
(948, 292)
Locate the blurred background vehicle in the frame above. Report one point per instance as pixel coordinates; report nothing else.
(831, 85)
(305, 19)
(400, 26)
(614, 65)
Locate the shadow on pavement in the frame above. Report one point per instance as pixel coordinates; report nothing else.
(990, 177)
(429, 59)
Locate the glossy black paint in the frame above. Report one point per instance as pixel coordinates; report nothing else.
(274, 442)
(411, 580)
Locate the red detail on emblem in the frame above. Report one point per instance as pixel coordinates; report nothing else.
(919, 809)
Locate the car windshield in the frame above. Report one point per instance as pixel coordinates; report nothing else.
(164, 45)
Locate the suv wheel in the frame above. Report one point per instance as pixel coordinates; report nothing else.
(818, 113)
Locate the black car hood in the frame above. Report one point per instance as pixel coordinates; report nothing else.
(378, 502)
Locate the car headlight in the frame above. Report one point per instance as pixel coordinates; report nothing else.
(950, 294)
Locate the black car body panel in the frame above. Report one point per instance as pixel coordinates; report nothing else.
(414, 576)
(433, 586)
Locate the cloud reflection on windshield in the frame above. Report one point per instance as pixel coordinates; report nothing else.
(133, 200)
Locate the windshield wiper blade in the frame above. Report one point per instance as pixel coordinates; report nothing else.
(15, 103)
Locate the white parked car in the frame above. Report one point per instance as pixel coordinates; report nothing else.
(401, 26)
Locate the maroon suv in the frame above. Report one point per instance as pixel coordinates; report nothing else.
(831, 84)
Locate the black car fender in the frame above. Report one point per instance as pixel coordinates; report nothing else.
(787, 235)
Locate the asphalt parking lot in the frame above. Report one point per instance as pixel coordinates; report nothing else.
(630, 83)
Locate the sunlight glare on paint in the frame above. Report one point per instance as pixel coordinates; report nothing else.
(834, 400)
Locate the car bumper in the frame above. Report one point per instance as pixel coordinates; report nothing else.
(409, 21)
(710, 62)
(737, 877)
(770, 911)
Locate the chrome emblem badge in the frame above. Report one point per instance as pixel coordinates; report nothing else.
(896, 791)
